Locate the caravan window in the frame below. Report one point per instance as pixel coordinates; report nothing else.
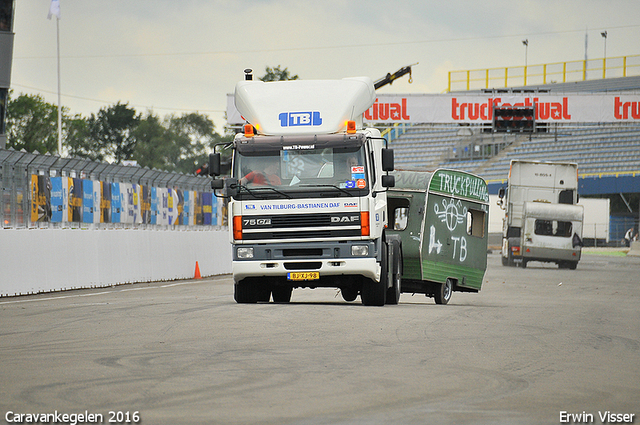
(475, 223)
(399, 212)
(553, 228)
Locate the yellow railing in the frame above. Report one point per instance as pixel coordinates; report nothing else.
(558, 72)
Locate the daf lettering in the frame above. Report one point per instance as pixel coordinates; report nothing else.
(345, 219)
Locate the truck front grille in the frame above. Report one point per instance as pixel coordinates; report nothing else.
(301, 226)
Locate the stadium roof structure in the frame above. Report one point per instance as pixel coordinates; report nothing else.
(587, 86)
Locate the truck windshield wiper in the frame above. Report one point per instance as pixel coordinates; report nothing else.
(261, 189)
(327, 185)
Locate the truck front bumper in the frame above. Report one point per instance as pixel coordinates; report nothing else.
(326, 258)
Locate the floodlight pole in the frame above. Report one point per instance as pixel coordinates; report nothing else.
(604, 60)
(59, 101)
(526, 52)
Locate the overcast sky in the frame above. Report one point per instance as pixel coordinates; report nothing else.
(181, 56)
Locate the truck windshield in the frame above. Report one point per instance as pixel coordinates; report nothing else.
(302, 171)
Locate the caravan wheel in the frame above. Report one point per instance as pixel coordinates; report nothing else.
(443, 292)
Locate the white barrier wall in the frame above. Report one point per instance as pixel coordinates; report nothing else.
(44, 260)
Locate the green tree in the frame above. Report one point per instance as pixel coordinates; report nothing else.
(113, 131)
(32, 124)
(153, 143)
(177, 143)
(277, 74)
(79, 142)
(116, 133)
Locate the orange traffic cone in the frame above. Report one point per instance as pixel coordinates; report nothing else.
(197, 274)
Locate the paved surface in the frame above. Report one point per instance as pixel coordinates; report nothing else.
(532, 344)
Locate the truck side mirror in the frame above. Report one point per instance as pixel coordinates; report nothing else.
(388, 181)
(501, 193)
(217, 184)
(387, 159)
(231, 187)
(214, 164)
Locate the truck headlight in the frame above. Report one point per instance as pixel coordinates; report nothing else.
(360, 250)
(243, 252)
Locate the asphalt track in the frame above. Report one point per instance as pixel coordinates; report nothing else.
(534, 343)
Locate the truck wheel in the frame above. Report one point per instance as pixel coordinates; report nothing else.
(245, 292)
(374, 293)
(264, 294)
(393, 293)
(505, 261)
(443, 292)
(349, 293)
(281, 293)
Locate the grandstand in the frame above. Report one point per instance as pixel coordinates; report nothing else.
(598, 149)
(608, 154)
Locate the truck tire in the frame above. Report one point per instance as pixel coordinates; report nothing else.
(349, 293)
(245, 291)
(393, 293)
(264, 294)
(443, 292)
(375, 293)
(281, 293)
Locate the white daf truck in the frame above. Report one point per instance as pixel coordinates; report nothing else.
(307, 193)
(542, 219)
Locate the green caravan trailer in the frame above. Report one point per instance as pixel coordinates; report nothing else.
(442, 220)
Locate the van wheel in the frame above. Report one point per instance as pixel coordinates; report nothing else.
(443, 292)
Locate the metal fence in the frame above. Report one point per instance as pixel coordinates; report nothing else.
(50, 192)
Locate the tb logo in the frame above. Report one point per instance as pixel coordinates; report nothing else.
(293, 119)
